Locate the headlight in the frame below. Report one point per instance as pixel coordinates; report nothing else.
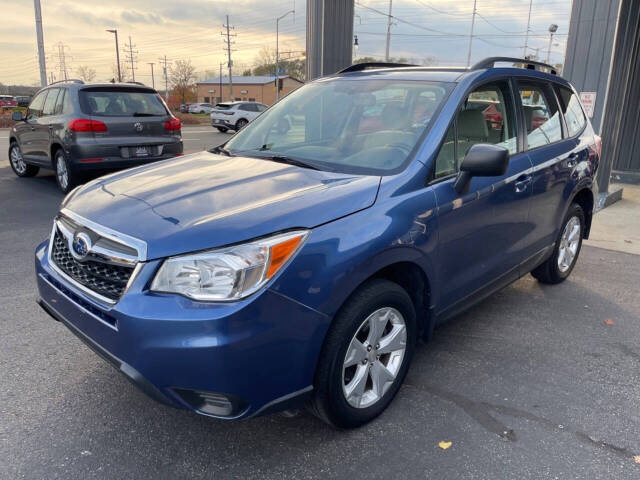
(229, 273)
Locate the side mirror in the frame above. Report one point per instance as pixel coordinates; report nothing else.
(16, 116)
(482, 160)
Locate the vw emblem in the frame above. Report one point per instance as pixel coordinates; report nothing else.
(81, 246)
(138, 126)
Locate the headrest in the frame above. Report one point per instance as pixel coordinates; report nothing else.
(472, 125)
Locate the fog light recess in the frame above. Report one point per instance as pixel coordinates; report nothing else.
(212, 403)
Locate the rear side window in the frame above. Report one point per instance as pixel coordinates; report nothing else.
(50, 102)
(223, 106)
(59, 102)
(114, 102)
(541, 115)
(572, 111)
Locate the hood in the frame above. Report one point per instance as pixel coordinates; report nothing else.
(206, 200)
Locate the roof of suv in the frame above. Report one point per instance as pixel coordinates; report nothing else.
(450, 74)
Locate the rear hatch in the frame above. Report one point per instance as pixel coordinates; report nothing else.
(136, 119)
(222, 112)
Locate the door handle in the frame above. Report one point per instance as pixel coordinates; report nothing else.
(522, 182)
(572, 160)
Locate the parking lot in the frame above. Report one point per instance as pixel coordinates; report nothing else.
(535, 382)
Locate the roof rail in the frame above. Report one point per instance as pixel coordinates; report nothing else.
(72, 80)
(529, 64)
(359, 67)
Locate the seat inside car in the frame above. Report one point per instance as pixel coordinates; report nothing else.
(397, 129)
(472, 129)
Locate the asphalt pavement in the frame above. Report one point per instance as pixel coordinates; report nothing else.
(535, 382)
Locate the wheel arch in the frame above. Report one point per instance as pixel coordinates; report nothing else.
(240, 119)
(53, 148)
(584, 197)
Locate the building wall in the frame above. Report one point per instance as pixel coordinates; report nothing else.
(260, 93)
(589, 49)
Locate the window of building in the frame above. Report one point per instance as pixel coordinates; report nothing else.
(238, 99)
(206, 99)
(252, 99)
(541, 115)
(573, 114)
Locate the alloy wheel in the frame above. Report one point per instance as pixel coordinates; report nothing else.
(61, 172)
(17, 160)
(374, 357)
(569, 243)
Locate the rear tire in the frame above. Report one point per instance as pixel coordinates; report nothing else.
(560, 264)
(372, 338)
(222, 129)
(18, 165)
(66, 177)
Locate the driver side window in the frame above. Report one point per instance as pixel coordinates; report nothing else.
(486, 116)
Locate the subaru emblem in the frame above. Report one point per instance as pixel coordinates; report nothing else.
(81, 246)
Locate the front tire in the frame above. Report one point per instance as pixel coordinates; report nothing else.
(240, 124)
(66, 178)
(560, 264)
(18, 165)
(222, 129)
(365, 356)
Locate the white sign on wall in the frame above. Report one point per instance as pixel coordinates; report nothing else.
(244, 91)
(213, 90)
(588, 100)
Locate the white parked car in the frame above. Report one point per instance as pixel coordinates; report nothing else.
(200, 108)
(235, 115)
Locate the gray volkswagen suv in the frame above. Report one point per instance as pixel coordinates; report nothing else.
(76, 128)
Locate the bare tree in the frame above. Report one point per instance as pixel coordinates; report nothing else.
(125, 74)
(86, 73)
(181, 77)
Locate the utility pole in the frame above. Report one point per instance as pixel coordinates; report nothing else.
(220, 80)
(131, 58)
(153, 80)
(229, 61)
(389, 22)
(473, 21)
(278, 51)
(553, 28)
(166, 80)
(115, 31)
(526, 38)
(40, 36)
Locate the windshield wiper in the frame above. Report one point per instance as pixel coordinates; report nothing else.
(290, 161)
(221, 149)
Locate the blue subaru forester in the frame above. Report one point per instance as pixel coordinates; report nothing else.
(301, 261)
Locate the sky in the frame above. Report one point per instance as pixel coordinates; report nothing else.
(190, 30)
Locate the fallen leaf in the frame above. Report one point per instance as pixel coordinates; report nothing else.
(444, 445)
(608, 321)
(636, 458)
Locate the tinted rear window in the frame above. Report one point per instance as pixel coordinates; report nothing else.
(115, 102)
(224, 106)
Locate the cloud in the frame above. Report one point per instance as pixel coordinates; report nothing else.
(133, 16)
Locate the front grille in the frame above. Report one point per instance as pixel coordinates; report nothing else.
(105, 279)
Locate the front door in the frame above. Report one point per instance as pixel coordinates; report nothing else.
(482, 233)
(27, 131)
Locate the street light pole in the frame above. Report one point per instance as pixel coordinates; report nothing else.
(115, 32)
(278, 52)
(153, 81)
(553, 28)
(526, 38)
(389, 23)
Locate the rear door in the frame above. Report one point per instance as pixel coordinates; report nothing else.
(134, 117)
(553, 156)
(483, 231)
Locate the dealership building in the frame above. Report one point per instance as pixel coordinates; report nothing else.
(247, 88)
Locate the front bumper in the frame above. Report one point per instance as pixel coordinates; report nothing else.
(260, 352)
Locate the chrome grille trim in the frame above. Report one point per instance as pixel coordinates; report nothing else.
(109, 256)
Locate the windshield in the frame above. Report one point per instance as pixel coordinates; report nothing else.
(364, 126)
(114, 102)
